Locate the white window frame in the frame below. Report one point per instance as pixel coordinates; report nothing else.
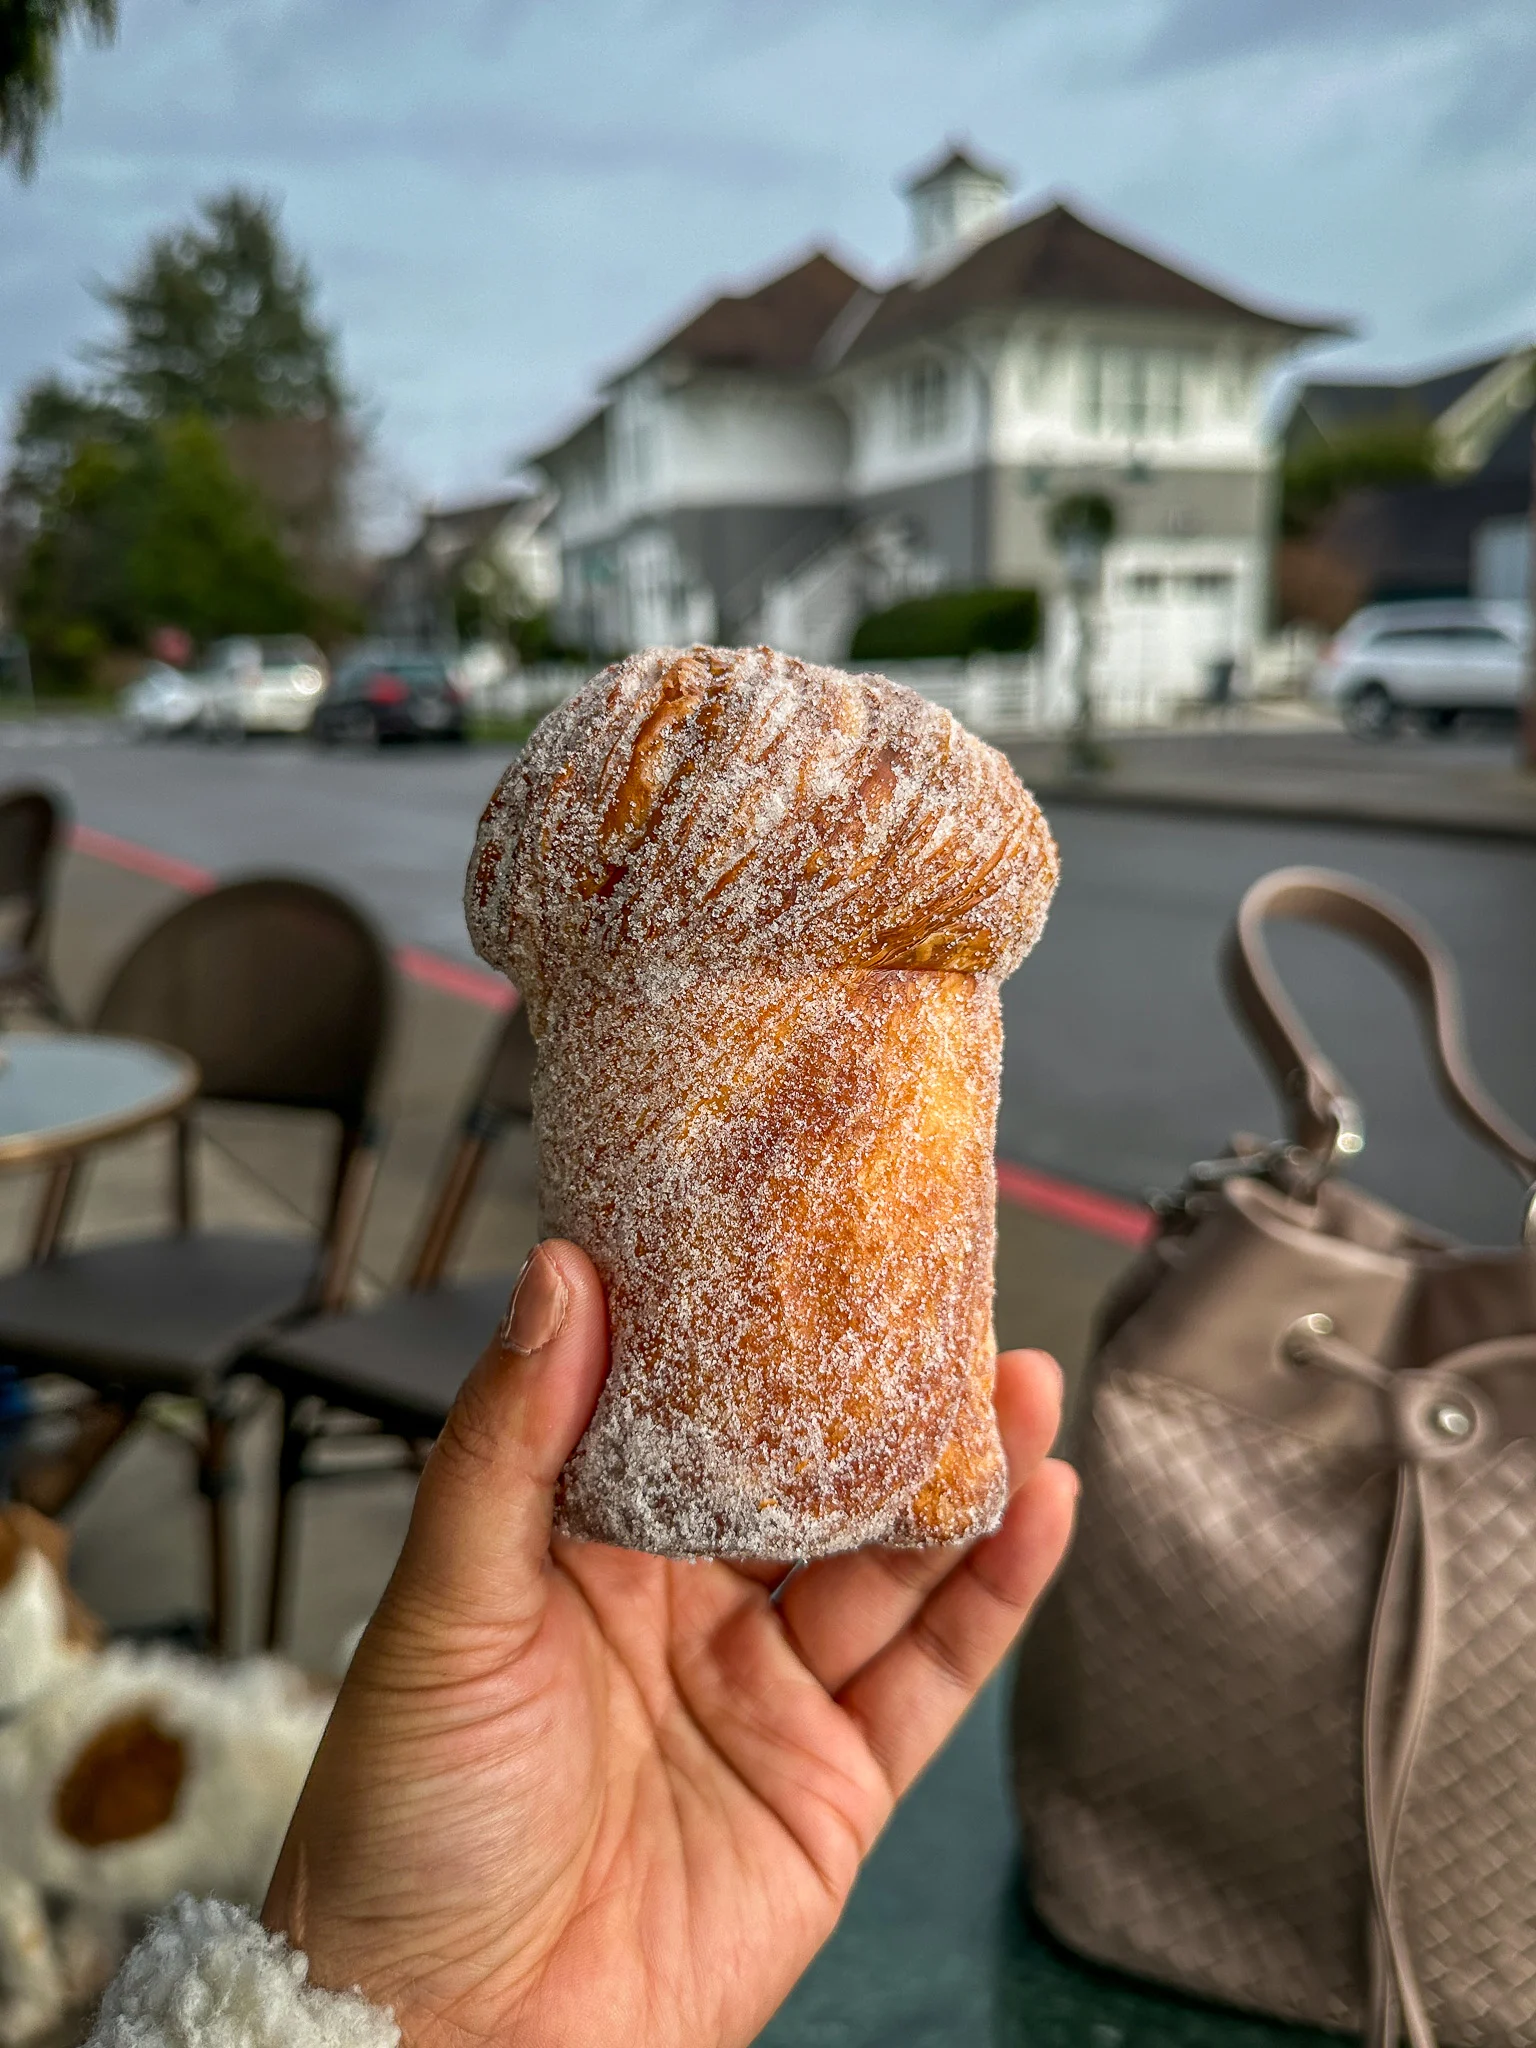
(925, 402)
(1133, 393)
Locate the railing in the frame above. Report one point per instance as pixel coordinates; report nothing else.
(1000, 696)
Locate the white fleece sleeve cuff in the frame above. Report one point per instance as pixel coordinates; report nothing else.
(207, 1975)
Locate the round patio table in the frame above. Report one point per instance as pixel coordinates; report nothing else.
(61, 1094)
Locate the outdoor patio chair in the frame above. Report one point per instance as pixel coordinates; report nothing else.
(281, 991)
(390, 1372)
(32, 823)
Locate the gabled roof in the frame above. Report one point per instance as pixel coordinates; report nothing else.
(778, 327)
(1342, 404)
(1055, 258)
(456, 532)
(1477, 414)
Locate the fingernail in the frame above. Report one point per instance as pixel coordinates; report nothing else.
(538, 1306)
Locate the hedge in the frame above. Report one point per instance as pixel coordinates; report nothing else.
(950, 625)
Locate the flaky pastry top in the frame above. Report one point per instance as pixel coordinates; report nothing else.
(715, 808)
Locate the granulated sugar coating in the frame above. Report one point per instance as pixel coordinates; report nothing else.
(759, 912)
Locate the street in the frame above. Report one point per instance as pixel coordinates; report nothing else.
(1121, 1064)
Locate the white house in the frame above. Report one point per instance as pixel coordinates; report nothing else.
(795, 455)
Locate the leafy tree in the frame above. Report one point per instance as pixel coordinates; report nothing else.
(205, 554)
(201, 480)
(1393, 451)
(52, 423)
(30, 34)
(218, 317)
(145, 530)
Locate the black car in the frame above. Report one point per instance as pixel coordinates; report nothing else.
(391, 697)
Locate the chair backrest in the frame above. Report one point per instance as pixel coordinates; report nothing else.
(278, 988)
(503, 1094)
(506, 1080)
(31, 822)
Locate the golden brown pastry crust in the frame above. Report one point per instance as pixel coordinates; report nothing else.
(759, 912)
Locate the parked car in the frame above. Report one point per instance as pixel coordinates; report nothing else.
(1431, 659)
(260, 685)
(162, 703)
(382, 697)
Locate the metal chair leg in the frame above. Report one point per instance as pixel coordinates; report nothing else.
(290, 1472)
(213, 1481)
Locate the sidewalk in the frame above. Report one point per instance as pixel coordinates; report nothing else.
(1462, 786)
(139, 1526)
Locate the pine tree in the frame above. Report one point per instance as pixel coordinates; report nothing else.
(30, 34)
(218, 317)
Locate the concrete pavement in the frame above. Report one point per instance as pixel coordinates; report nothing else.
(1459, 785)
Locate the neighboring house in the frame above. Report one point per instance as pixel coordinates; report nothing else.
(501, 555)
(798, 454)
(1467, 532)
(716, 460)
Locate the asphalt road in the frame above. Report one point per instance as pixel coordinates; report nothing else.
(1121, 1063)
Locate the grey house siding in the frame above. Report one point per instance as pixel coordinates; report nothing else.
(989, 526)
(948, 518)
(586, 573)
(736, 549)
(733, 549)
(1170, 504)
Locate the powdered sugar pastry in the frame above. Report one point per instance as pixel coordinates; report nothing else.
(759, 912)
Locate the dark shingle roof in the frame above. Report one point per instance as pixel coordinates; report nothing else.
(1331, 408)
(778, 327)
(1054, 258)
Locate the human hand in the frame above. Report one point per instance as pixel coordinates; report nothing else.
(572, 1794)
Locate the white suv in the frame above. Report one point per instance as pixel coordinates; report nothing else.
(253, 685)
(1431, 657)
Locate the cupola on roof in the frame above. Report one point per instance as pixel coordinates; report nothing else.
(954, 200)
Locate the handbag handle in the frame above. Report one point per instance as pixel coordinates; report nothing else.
(1325, 1120)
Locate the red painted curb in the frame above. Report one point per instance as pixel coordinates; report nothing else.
(1062, 1201)
(456, 978)
(141, 860)
(450, 977)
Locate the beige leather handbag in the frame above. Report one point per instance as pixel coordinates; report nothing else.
(1276, 1726)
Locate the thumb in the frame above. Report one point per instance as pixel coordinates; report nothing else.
(479, 1535)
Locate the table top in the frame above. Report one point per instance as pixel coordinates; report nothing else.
(59, 1094)
(938, 1948)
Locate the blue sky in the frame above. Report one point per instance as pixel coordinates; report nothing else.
(502, 197)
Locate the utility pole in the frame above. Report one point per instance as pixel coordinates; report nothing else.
(1528, 708)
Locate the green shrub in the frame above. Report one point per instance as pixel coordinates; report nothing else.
(950, 625)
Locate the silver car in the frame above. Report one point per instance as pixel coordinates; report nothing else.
(1431, 659)
(162, 703)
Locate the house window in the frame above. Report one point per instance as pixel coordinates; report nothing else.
(586, 486)
(1208, 585)
(923, 402)
(635, 439)
(1134, 392)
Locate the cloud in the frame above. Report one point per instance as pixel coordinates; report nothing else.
(1196, 34)
(502, 197)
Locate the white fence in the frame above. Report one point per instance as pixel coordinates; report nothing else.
(1001, 696)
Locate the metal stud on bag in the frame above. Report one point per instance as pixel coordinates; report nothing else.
(1451, 1420)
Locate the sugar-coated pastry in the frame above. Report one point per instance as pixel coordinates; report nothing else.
(759, 912)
